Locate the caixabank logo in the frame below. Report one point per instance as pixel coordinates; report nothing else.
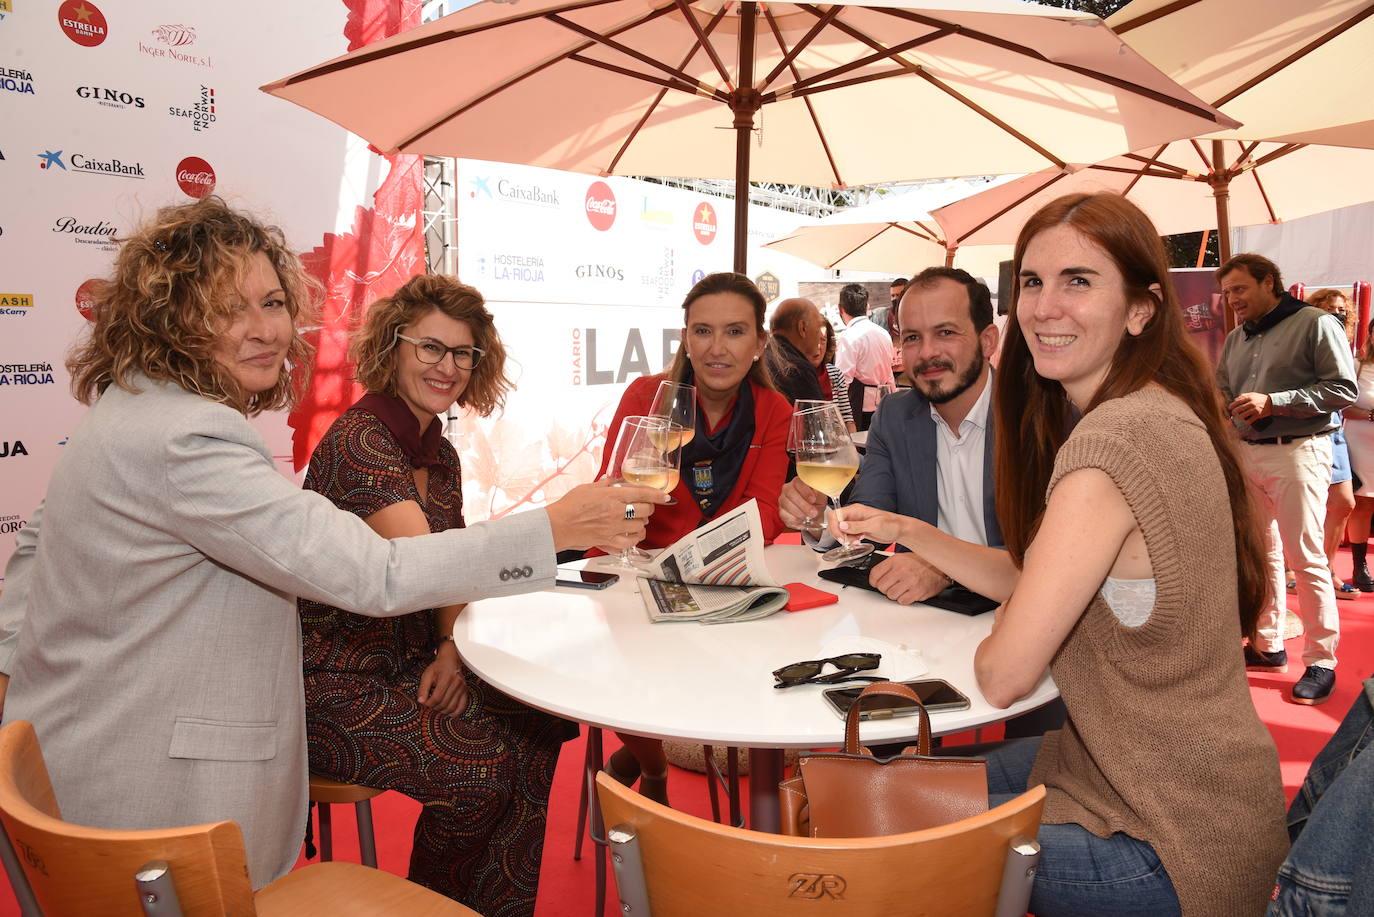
(85, 163)
(16, 80)
(15, 303)
(200, 112)
(17, 374)
(82, 22)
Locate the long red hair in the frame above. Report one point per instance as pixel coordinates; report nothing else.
(1035, 417)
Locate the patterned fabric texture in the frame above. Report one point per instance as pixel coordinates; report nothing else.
(483, 776)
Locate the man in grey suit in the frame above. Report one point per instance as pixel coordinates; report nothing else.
(929, 452)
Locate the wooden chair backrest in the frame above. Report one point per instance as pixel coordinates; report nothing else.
(78, 870)
(693, 866)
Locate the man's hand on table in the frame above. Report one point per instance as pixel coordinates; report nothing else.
(799, 502)
(906, 579)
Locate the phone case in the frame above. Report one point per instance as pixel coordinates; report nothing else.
(801, 597)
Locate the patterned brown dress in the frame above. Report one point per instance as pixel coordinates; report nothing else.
(483, 776)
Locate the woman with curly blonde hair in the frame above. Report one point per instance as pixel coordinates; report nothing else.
(148, 625)
(389, 703)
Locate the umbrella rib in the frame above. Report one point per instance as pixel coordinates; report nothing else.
(598, 38)
(1147, 18)
(880, 52)
(367, 56)
(1206, 160)
(1277, 154)
(691, 89)
(788, 56)
(653, 106)
(705, 43)
(1010, 207)
(1146, 172)
(1297, 55)
(1152, 161)
(926, 232)
(824, 19)
(865, 242)
(1264, 196)
(1013, 47)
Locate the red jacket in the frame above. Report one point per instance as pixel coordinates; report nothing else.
(761, 478)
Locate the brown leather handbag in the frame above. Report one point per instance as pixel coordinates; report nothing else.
(853, 794)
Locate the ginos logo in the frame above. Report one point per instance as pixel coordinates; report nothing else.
(82, 22)
(114, 98)
(85, 299)
(195, 176)
(599, 272)
(704, 223)
(600, 206)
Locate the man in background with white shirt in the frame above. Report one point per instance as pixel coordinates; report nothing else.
(863, 352)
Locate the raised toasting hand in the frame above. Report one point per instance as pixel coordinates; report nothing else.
(601, 516)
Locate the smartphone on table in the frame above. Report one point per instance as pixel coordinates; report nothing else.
(584, 579)
(936, 693)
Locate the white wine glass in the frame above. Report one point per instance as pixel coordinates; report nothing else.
(828, 461)
(642, 457)
(676, 403)
(801, 406)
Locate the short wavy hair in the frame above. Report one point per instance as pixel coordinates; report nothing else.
(1326, 300)
(373, 348)
(174, 293)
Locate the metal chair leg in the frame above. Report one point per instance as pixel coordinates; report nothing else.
(732, 769)
(588, 775)
(367, 839)
(598, 827)
(712, 775)
(326, 832)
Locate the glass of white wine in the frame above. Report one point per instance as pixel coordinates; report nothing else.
(828, 461)
(801, 406)
(676, 403)
(642, 457)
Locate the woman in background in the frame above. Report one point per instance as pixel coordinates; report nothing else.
(1359, 432)
(389, 704)
(1134, 567)
(1340, 499)
(829, 375)
(738, 453)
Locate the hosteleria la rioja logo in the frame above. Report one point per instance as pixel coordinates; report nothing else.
(82, 22)
(195, 177)
(600, 206)
(704, 223)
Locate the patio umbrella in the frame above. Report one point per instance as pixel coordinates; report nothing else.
(832, 95)
(895, 235)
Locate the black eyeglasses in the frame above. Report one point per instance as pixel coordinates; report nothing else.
(430, 351)
(809, 672)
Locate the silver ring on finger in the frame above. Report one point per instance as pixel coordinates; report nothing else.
(629, 510)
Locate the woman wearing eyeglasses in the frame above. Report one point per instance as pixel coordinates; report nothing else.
(389, 702)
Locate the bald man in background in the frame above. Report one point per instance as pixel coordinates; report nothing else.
(798, 331)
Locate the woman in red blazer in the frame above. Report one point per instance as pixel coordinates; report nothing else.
(739, 451)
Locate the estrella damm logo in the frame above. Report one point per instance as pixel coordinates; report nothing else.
(811, 886)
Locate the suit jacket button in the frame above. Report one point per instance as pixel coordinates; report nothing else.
(505, 574)
(528, 571)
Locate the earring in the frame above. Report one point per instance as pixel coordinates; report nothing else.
(756, 358)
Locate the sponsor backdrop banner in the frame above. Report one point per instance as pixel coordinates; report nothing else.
(586, 278)
(109, 110)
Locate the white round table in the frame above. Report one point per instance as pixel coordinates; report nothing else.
(594, 657)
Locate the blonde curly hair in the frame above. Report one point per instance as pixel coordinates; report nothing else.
(172, 296)
(373, 348)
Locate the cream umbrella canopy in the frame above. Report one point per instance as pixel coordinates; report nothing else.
(835, 94)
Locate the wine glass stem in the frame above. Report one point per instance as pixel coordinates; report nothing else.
(839, 517)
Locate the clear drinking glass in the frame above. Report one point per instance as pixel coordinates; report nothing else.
(676, 403)
(828, 461)
(802, 405)
(642, 457)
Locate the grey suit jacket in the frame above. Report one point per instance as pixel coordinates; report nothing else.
(153, 598)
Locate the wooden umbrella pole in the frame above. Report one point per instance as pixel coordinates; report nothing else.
(1221, 191)
(745, 100)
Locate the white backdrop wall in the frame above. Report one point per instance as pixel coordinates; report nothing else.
(165, 88)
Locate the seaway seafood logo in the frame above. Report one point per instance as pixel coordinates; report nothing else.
(201, 112)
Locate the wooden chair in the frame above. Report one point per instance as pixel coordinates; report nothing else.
(324, 793)
(669, 864)
(197, 871)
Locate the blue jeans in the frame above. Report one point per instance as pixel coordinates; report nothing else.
(1081, 874)
(1330, 869)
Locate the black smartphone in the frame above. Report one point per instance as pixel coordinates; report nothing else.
(936, 693)
(584, 579)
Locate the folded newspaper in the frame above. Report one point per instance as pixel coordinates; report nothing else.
(715, 574)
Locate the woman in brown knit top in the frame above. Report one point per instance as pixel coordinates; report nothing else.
(1133, 569)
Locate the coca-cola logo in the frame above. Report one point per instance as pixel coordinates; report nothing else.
(600, 206)
(82, 22)
(704, 223)
(85, 298)
(195, 177)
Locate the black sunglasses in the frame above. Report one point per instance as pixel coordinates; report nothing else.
(809, 672)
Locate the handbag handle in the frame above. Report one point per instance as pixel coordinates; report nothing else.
(890, 689)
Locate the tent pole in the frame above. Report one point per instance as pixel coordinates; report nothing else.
(949, 257)
(745, 100)
(1221, 191)
(1202, 249)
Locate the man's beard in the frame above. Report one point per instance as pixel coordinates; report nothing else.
(962, 383)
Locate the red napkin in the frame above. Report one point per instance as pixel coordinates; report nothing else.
(801, 597)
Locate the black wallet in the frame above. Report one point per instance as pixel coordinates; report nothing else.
(953, 598)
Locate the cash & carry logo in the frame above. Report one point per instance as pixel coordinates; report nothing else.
(98, 233)
(16, 79)
(201, 112)
(195, 177)
(82, 22)
(5, 9)
(600, 206)
(81, 162)
(110, 98)
(25, 374)
(168, 42)
(704, 223)
(85, 298)
(15, 303)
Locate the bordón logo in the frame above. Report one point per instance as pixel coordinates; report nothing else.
(97, 233)
(82, 22)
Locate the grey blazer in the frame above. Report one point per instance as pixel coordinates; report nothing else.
(149, 621)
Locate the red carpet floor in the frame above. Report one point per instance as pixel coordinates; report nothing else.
(566, 886)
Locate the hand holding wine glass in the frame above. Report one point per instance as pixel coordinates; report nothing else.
(828, 461)
(802, 405)
(676, 404)
(642, 457)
